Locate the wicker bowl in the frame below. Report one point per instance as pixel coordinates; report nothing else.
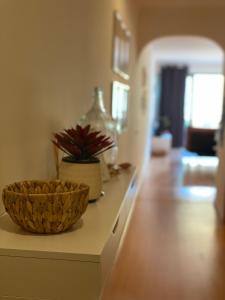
(45, 206)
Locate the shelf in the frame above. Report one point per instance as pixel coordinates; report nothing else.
(84, 242)
(62, 266)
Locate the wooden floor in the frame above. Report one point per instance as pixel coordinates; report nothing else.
(175, 247)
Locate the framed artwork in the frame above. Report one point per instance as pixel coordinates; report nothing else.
(120, 97)
(121, 47)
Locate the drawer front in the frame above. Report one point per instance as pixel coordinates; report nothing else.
(43, 279)
(112, 246)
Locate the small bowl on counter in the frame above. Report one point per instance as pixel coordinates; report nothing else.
(45, 206)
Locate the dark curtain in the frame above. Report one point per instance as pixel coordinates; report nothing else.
(172, 100)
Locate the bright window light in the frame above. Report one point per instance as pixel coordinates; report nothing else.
(204, 100)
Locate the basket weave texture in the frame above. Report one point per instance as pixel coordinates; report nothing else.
(45, 206)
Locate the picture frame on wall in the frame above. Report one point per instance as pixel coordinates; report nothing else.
(120, 103)
(121, 47)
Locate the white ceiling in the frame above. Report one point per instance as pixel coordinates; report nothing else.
(187, 50)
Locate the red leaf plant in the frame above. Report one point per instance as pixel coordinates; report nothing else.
(82, 143)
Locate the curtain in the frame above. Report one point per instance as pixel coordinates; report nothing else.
(172, 100)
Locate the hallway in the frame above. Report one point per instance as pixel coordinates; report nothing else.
(175, 247)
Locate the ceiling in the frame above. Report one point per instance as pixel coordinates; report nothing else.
(180, 2)
(187, 49)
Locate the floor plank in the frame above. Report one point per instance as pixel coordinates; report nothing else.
(175, 247)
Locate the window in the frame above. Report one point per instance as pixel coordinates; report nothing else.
(203, 100)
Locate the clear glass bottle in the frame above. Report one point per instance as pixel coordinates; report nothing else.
(100, 120)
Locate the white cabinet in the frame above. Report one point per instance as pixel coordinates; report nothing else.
(71, 265)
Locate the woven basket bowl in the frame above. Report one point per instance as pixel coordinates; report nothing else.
(45, 206)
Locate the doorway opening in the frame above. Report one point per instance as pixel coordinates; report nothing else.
(187, 87)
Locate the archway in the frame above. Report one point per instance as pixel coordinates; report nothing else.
(201, 54)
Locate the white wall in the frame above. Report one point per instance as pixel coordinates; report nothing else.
(144, 109)
(193, 67)
(52, 54)
(198, 53)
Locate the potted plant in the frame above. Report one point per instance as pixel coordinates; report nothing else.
(82, 145)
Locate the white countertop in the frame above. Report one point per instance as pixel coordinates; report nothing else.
(84, 242)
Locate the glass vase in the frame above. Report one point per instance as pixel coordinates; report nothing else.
(100, 120)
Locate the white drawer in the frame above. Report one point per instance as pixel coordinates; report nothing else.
(111, 248)
(61, 267)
